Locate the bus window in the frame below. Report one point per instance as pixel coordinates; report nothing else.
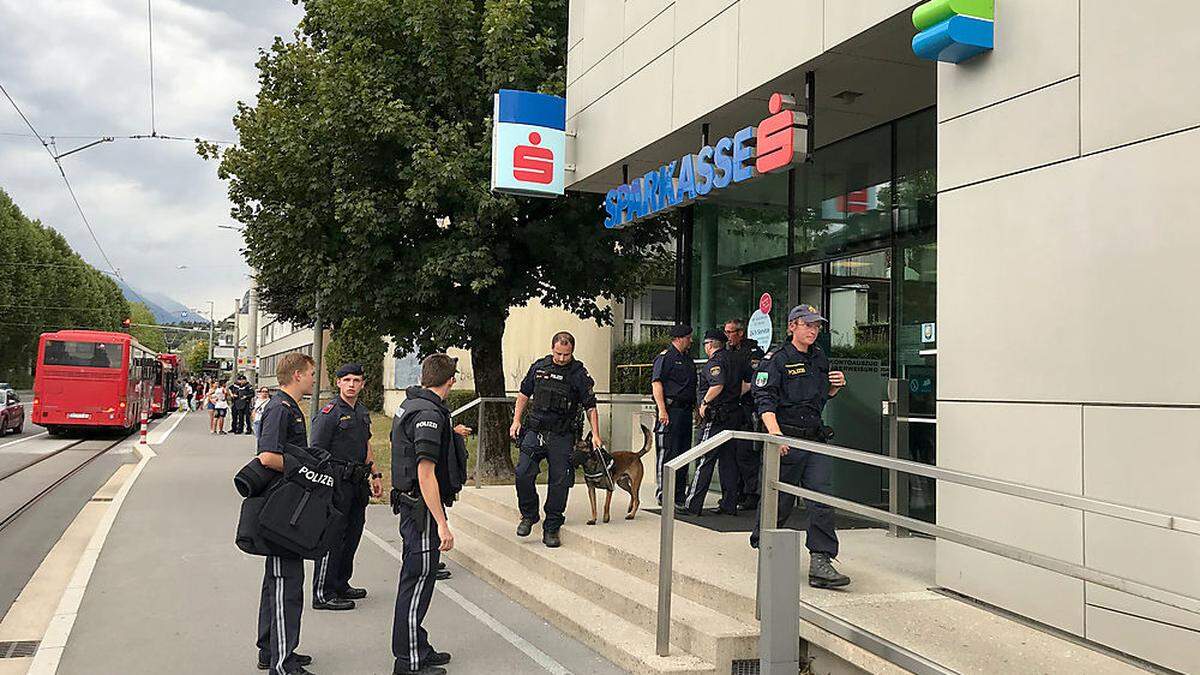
(86, 354)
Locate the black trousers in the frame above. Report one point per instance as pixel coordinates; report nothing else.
(673, 440)
(331, 574)
(420, 556)
(555, 447)
(724, 459)
(241, 419)
(279, 613)
(814, 472)
(749, 462)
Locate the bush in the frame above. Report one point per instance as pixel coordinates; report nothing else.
(629, 380)
(356, 341)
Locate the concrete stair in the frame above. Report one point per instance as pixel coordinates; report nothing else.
(602, 595)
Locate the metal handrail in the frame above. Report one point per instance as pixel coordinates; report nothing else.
(768, 511)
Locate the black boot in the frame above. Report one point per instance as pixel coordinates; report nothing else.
(550, 539)
(525, 526)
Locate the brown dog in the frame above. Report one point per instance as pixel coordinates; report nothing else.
(626, 471)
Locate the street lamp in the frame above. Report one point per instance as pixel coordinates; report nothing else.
(211, 326)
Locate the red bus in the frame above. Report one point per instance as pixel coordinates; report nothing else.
(92, 379)
(167, 373)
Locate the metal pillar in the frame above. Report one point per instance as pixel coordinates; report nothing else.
(779, 640)
(237, 337)
(252, 333)
(318, 347)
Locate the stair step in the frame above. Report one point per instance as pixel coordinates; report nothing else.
(698, 629)
(625, 644)
(640, 564)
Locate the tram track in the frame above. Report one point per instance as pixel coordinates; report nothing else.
(23, 487)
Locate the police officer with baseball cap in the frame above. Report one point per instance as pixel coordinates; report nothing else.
(343, 428)
(791, 387)
(673, 384)
(719, 391)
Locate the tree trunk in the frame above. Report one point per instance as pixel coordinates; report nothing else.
(487, 362)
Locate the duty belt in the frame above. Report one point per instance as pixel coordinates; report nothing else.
(685, 404)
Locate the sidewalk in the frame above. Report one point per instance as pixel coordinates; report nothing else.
(171, 593)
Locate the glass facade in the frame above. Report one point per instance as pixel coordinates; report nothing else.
(853, 232)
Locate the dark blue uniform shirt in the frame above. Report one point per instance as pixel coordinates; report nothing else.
(719, 370)
(343, 430)
(282, 424)
(793, 384)
(678, 376)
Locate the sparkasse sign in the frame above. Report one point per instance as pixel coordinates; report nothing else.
(777, 143)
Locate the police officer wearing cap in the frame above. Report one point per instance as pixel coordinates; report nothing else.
(791, 387)
(745, 353)
(673, 384)
(719, 390)
(556, 390)
(343, 429)
(282, 599)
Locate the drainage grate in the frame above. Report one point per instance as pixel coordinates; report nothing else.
(19, 649)
(745, 667)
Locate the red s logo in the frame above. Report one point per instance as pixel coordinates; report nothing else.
(533, 164)
(778, 135)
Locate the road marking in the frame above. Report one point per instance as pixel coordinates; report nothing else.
(54, 641)
(540, 657)
(22, 440)
(178, 415)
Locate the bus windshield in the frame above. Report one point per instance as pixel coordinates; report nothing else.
(86, 354)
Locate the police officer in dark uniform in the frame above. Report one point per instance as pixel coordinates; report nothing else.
(428, 470)
(791, 387)
(719, 390)
(745, 353)
(282, 598)
(673, 384)
(560, 390)
(242, 393)
(343, 428)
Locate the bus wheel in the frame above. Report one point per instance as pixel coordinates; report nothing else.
(54, 431)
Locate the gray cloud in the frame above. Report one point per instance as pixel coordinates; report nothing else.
(80, 68)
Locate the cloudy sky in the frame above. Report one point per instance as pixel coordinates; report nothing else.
(80, 68)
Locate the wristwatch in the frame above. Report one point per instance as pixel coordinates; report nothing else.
(376, 475)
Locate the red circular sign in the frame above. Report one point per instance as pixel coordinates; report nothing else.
(764, 303)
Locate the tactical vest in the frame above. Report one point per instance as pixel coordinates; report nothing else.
(553, 407)
(451, 470)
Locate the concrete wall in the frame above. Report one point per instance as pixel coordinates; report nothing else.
(1067, 330)
(666, 64)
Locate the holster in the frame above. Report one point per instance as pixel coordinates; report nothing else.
(416, 504)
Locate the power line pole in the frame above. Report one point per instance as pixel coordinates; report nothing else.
(252, 332)
(318, 347)
(237, 336)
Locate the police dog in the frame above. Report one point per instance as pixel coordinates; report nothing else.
(626, 471)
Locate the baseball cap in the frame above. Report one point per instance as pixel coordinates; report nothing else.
(806, 313)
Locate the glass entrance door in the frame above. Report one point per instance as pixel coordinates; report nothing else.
(855, 294)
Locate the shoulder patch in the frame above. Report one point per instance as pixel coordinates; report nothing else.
(662, 353)
(761, 379)
(715, 370)
(327, 409)
(768, 355)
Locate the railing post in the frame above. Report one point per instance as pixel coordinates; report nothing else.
(479, 445)
(779, 641)
(666, 545)
(768, 511)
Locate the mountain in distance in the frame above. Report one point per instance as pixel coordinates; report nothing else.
(166, 310)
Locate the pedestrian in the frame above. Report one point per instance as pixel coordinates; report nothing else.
(791, 387)
(343, 428)
(745, 354)
(282, 598)
(187, 395)
(673, 385)
(198, 394)
(719, 389)
(561, 390)
(428, 471)
(241, 395)
(264, 395)
(219, 397)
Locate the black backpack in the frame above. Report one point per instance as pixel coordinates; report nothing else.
(298, 515)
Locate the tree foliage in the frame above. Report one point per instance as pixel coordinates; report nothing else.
(46, 287)
(194, 354)
(150, 337)
(357, 341)
(362, 175)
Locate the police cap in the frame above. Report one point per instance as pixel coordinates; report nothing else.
(349, 369)
(714, 335)
(681, 330)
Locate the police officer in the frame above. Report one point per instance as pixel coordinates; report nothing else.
(791, 387)
(343, 429)
(242, 393)
(719, 390)
(428, 470)
(745, 353)
(283, 583)
(673, 384)
(560, 390)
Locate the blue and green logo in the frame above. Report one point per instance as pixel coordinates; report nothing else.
(953, 30)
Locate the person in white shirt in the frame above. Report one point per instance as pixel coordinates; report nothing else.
(260, 402)
(219, 396)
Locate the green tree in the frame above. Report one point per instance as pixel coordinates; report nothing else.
(194, 355)
(362, 176)
(151, 338)
(357, 341)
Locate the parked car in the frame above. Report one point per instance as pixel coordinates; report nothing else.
(12, 414)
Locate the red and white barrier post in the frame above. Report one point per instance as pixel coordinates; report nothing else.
(145, 427)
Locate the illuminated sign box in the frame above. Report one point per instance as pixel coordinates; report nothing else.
(528, 143)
